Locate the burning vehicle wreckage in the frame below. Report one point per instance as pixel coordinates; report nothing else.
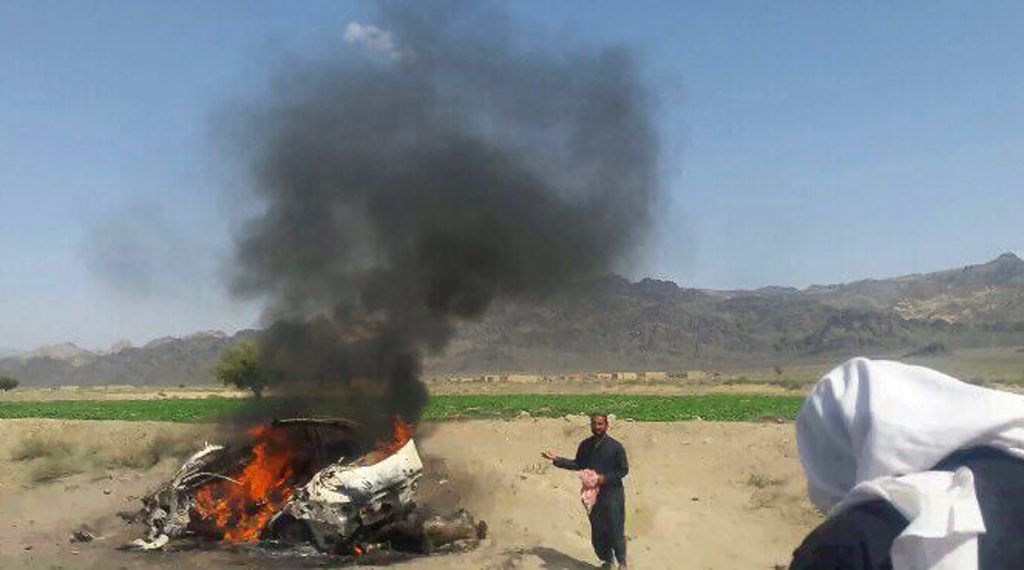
(292, 483)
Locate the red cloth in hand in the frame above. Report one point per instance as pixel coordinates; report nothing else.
(590, 488)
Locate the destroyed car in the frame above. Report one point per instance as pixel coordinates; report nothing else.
(294, 482)
(346, 500)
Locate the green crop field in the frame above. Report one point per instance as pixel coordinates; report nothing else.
(717, 407)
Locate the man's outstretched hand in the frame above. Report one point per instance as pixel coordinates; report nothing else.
(549, 455)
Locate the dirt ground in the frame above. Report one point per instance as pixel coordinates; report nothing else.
(63, 393)
(700, 495)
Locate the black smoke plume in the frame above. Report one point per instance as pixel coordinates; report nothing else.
(441, 166)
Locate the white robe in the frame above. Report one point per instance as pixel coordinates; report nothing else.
(873, 429)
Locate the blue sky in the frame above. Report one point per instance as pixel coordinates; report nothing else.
(802, 143)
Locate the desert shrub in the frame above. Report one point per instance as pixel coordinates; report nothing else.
(8, 383)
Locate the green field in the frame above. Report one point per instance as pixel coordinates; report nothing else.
(715, 407)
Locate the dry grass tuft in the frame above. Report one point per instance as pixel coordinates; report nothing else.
(767, 492)
(52, 468)
(158, 449)
(54, 457)
(759, 480)
(38, 447)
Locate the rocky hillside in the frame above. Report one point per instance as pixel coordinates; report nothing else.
(612, 323)
(657, 325)
(987, 293)
(165, 361)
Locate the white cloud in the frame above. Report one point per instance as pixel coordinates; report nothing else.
(373, 38)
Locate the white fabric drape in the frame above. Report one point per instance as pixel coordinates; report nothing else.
(874, 428)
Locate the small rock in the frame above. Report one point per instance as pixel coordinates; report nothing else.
(106, 491)
(29, 547)
(695, 499)
(83, 535)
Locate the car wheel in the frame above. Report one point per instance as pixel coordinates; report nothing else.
(290, 530)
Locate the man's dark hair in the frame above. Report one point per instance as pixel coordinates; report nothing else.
(601, 415)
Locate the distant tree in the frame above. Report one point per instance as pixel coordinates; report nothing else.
(240, 367)
(8, 383)
(779, 370)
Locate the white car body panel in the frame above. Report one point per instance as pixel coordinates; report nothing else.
(342, 498)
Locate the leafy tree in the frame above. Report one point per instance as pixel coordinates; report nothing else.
(239, 366)
(8, 383)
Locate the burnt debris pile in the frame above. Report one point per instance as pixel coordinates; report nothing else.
(302, 483)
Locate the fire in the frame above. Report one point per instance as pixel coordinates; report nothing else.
(242, 508)
(401, 434)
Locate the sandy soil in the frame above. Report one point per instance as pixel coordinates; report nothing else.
(700, 495)
(61, 393)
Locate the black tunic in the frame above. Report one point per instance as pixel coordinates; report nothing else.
(602, 454)
(607, 457)
(861, 537)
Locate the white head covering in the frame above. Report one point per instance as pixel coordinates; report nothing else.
(874, 429)
(873, 418)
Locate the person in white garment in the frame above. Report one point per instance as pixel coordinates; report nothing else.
(916, 470)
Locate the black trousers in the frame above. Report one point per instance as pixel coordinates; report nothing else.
(608, 525)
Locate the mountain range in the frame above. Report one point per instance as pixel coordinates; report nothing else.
(614, 324)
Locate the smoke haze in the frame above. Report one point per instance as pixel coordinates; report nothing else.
(405, 193)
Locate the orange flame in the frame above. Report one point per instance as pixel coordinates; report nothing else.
(401, 434)
(241, 510)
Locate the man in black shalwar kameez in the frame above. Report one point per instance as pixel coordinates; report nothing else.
(607, 457)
